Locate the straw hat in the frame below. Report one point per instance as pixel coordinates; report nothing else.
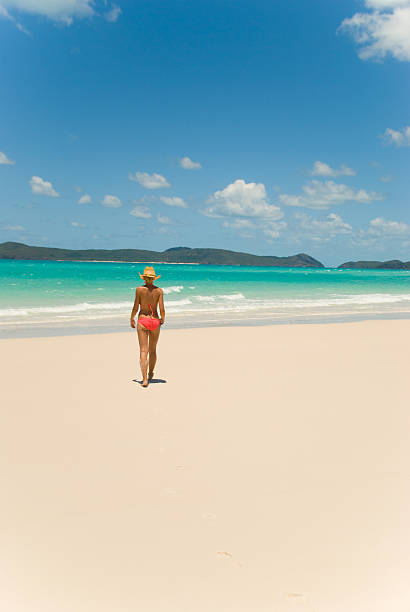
(149, 272)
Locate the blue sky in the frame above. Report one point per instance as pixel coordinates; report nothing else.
(267, 127)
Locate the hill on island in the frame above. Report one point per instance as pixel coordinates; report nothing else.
(394, 264)
(18, 250)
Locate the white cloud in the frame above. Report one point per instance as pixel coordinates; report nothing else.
(150, 181)
(383, 227)
(241, 199)
(324, 229)
(174, 201)
(319, 195)
(164, 220)
(382, 31)
(59, 10)
(13, 228)
(113, 14)
(386, 178)
(322, 169)
(142, 212)
(187, 164)
(111, 201)
(85, 199)
(245, 207)
(40, 187)
(77, 224)
(5, 160)
(400, 138)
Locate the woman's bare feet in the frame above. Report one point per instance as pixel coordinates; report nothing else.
(145, 382)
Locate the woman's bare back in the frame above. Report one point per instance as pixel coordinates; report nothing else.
(148, 295)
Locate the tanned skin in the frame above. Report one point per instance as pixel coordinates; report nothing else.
(148, 294)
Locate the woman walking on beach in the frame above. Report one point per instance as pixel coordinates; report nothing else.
(147, 299)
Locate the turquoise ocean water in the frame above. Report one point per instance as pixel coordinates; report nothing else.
(48, 297)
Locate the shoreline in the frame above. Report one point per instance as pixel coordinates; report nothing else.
(341, 267)
(122, 327)
(171, 263)
(177, 263)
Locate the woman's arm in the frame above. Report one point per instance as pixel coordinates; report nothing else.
(161, 306)
(135, 308)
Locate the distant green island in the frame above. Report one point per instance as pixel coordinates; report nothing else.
(394, 264)
(217, 257)
(17, 250)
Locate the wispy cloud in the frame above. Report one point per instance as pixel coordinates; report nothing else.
(383, 30)
(13, 228)
(41, 187)
(321, 229)
(63, 11)
(113, 14)
(384, 227)
(187, 164)
(400, 138)
(239, 224)
(142, 212)
(322, 195)
(85, 199)
(58, 10)
(5, 160)
(111, 201)
(149, 181)
(174, 201)
(6, 15)
(273, 229)
(164, 220)
(323, 169)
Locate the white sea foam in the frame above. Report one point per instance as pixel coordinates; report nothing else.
(83, 307)
(206, 299)
(173, 289)
(232, 296)
(220, 305)
(183, 302)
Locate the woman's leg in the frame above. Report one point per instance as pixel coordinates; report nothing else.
(152, 349)
(143, 341)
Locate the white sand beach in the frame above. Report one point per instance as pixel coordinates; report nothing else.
(269, 471)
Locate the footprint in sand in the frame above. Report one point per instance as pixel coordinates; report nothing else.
(225, 553)
(170, 491)
(208, 516)
(296, 596)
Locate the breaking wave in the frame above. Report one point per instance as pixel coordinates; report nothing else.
(223, 302)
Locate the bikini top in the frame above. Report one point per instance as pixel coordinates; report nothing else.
(152, 312)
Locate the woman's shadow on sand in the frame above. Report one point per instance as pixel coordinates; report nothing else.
(151, 382)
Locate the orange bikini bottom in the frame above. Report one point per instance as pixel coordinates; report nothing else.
(149, 323)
